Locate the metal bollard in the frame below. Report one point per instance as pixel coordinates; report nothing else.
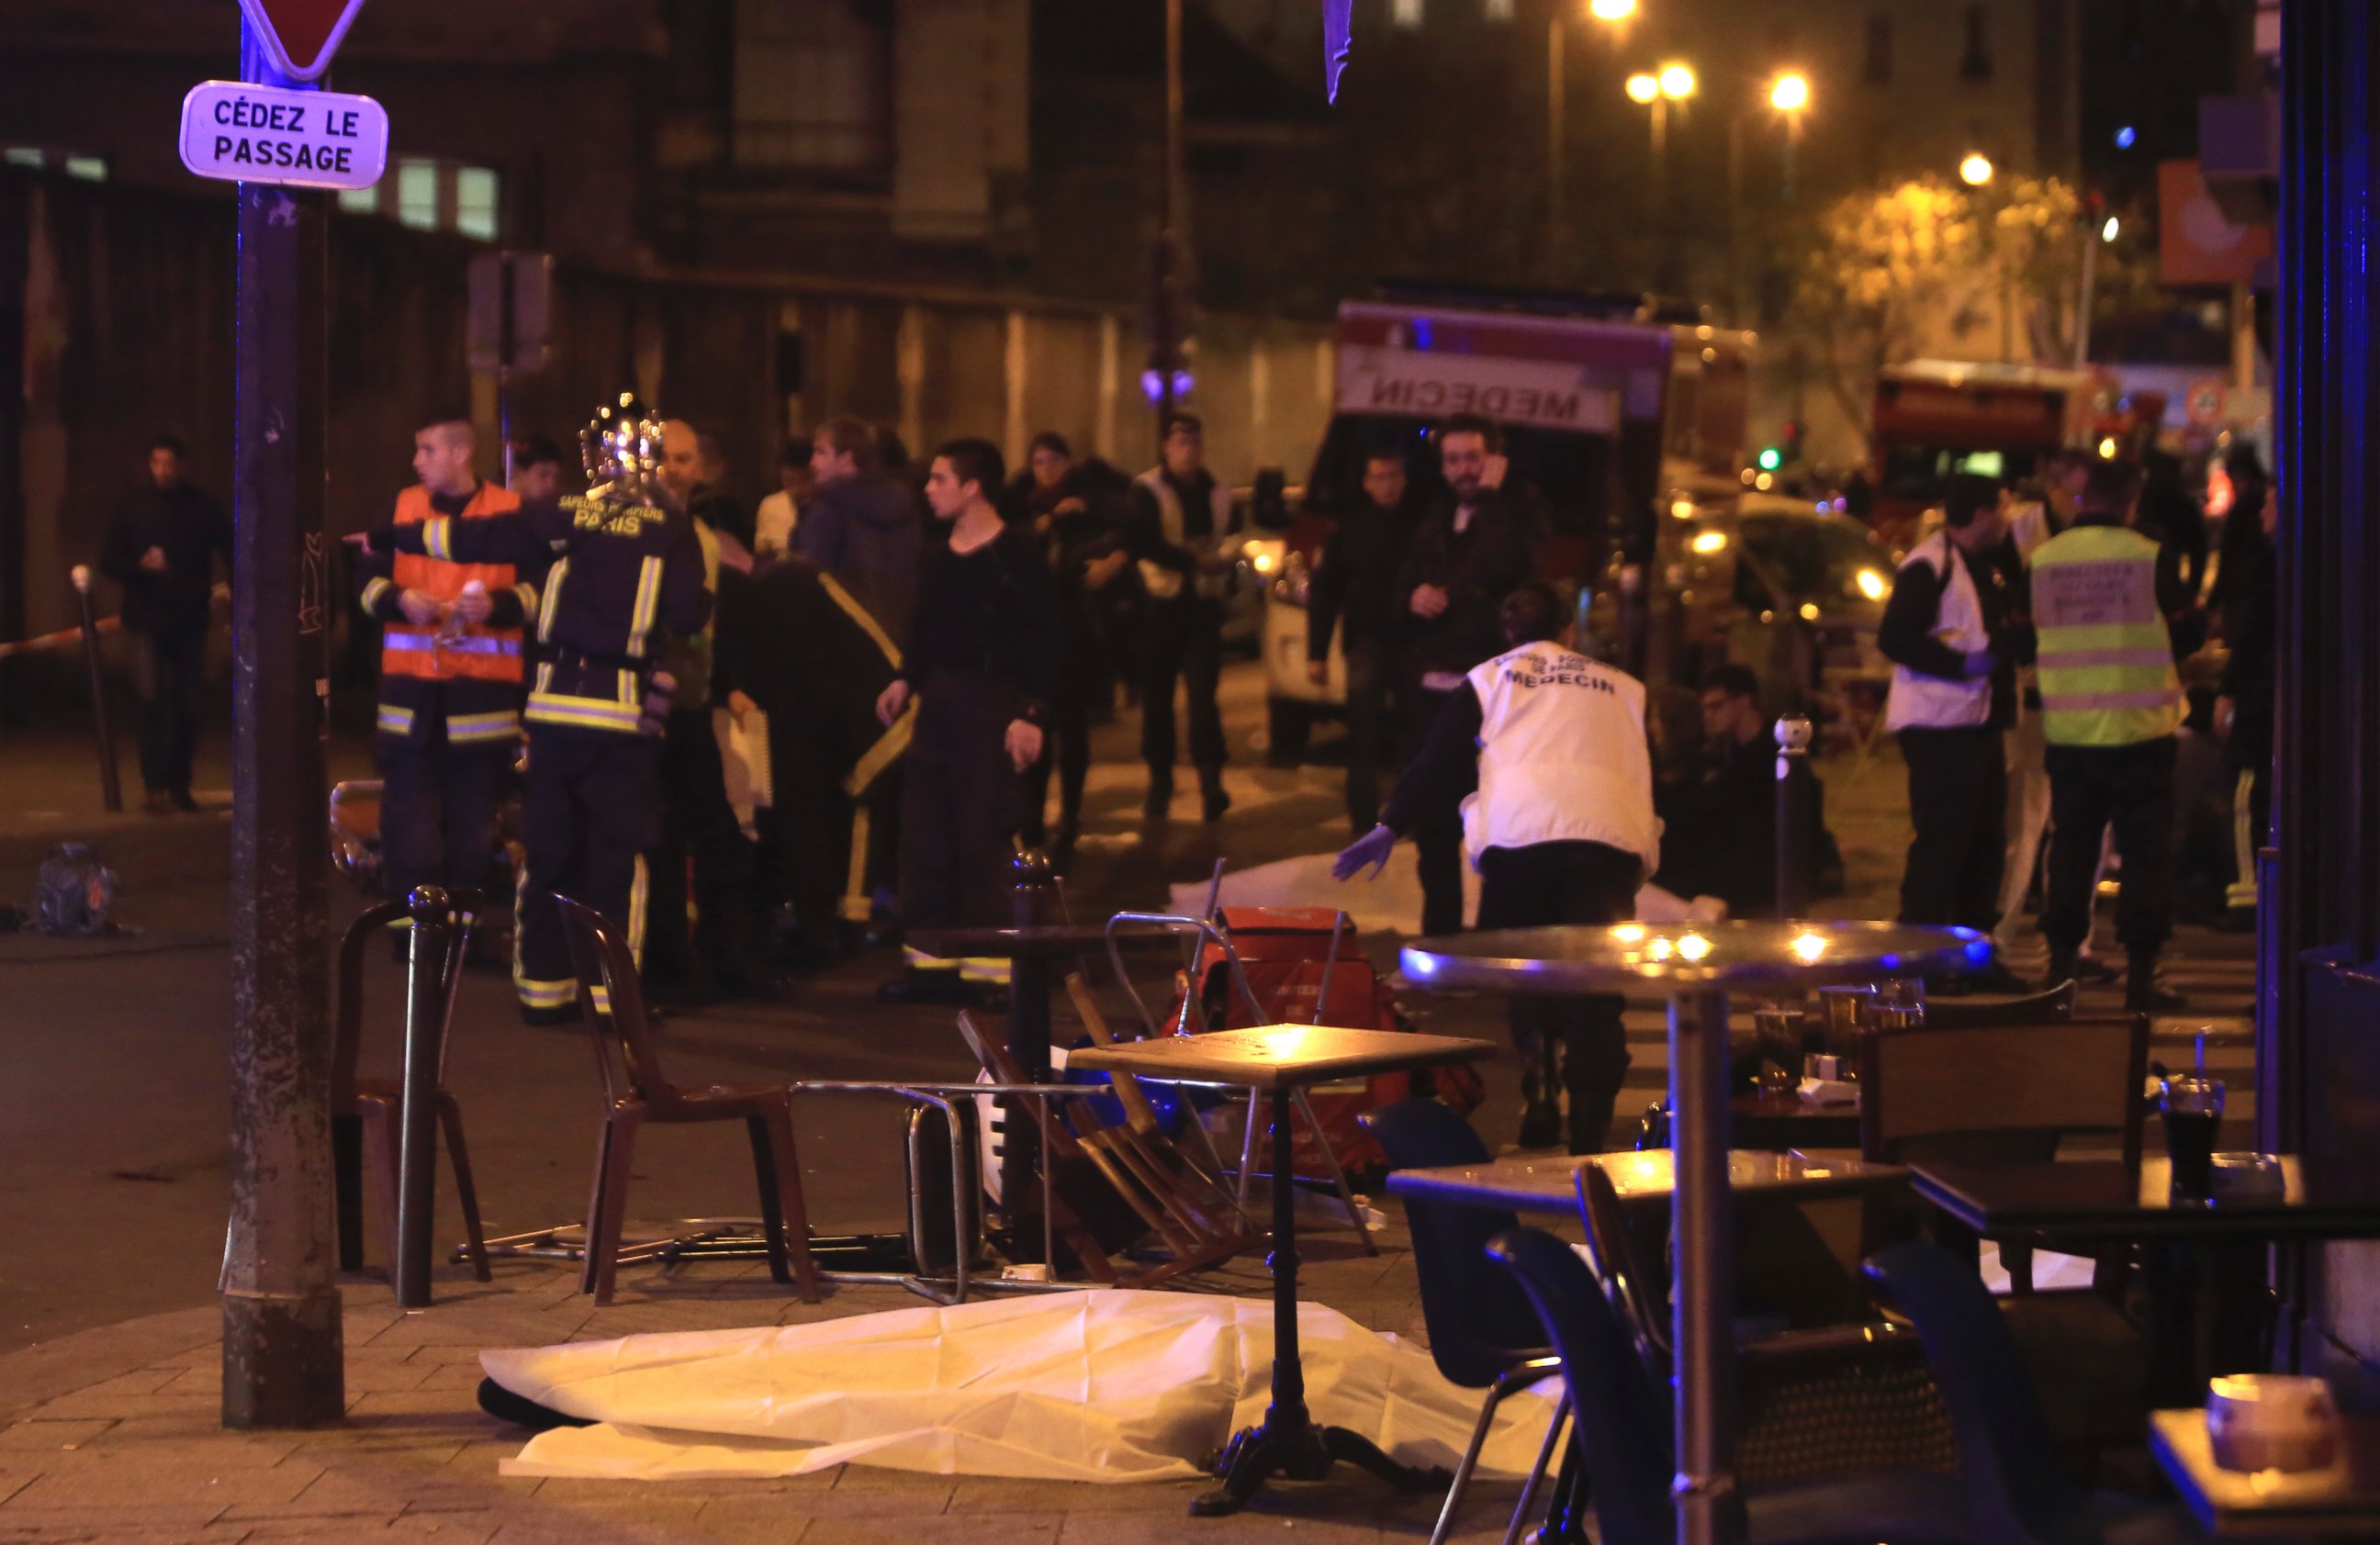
(111, 789)
(425, 1023)
(1794, 789)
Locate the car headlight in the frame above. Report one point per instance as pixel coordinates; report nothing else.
(1292, 579)
(1871, 584)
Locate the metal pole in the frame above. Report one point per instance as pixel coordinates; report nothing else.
(1793, 821)
(1703, 1308)
(1557, 109)
(102, 729)
(425, 1036)
(2084, 287)
(1172, 241)
(505, 270)
(282, 1353)
(1735, 216)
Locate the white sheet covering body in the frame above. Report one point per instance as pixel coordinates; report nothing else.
(1095, 1386)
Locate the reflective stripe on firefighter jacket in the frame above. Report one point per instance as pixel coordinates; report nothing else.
(1925, 702)
(460, 650)
(2105, 652)
(623, 575)
(1562, 756)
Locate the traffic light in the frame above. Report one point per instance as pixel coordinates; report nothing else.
(1771, 458)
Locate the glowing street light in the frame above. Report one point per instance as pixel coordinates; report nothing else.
(1611, 10)
(1789, 92)
(1643, 88)
(1677, 81)
(2111, 229)
(1976, 169)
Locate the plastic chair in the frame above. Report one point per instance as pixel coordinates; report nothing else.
(1482, 1334)
(2018, 1491)
(2052, 1007)
(1621, 1425)
(366, 1127)
(636, 1091)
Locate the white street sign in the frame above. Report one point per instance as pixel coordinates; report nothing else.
(270, 134)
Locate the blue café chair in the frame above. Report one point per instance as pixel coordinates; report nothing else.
(2017, 1490)
(1621, 1423)
(1482, 1334)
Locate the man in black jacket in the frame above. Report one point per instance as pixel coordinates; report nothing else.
(161, 548)
(1354, 590)
(1467, 555)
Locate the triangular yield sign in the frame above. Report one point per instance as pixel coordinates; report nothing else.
(301, 35)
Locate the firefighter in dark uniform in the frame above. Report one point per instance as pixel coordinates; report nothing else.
(451, 676)
(626, 573)
(815, 660)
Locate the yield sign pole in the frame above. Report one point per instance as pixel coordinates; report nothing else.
(282, 1359)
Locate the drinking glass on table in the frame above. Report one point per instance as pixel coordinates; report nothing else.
(2193, 1103)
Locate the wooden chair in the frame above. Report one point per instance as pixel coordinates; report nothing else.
(2007, 1091)
(365, 1113)
(2052, 1007)
(1200, 1222)
(2004, 1093)
(636, 1091)
(2011, 1094)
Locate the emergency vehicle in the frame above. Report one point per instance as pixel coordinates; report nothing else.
(1935, 417)
(1628, 424)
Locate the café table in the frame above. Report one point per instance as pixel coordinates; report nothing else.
(2220, 1244)
(1785, 1121)
(1551, 1185)
(2342, 1501)
(1699, 965)
(1279, 1059)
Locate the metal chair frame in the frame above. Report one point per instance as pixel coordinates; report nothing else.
(1199, 929)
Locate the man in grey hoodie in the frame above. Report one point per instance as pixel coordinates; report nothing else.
(863, 528)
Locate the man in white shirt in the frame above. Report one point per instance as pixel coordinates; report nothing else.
(1560, 829)
(773, 522)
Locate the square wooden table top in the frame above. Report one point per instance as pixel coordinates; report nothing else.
(1550, 1184)
(1277, 1057)
(2320, 1200)
(2343, 1500)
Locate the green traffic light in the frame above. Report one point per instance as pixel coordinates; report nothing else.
(1771, 458)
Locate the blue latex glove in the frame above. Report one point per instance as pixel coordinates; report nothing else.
(1373, 848)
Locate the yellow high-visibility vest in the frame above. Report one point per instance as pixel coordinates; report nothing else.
(2106, 654)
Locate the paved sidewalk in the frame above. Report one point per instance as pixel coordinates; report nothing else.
(114, 1436)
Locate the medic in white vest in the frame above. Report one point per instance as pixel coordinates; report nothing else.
(1561, 828)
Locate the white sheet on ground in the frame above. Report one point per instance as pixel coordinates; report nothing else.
(1392, 902)
(1095, 1386)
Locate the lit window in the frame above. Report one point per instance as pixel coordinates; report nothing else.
(1498, 10)
(417, 194)
(1405, 13)
(361, 200)
(475, 202)
(22, 155)
(90, 168)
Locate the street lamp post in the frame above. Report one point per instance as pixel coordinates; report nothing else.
(1673, 82)
(1788, 97)
(1614, 14)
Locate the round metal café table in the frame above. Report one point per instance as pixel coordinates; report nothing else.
(1697, 965)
